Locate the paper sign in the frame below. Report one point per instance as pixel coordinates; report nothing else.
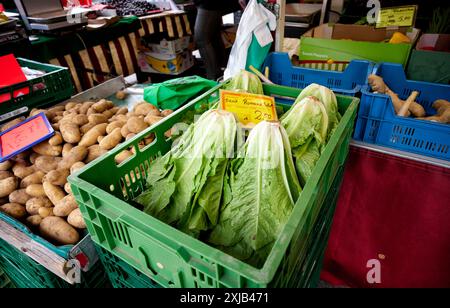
(250, 109)
(24, 136)
(402, 16)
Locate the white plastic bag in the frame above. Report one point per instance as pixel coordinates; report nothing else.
(256, 20)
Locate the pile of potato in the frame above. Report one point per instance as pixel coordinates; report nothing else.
(33, 185)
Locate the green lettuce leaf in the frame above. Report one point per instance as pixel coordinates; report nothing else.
(245, 82)
(260, 193)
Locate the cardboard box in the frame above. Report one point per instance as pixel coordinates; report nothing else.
(341, 42)
(167, 47)
(430, 60)
(151, 62)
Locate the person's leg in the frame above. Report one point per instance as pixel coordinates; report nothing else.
(205, 34)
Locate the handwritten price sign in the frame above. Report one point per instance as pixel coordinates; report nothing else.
(250, 109)
(402, 16)
(24, 136)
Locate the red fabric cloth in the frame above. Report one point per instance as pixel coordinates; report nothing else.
(394, 210)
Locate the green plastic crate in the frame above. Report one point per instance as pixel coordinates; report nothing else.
(121, 274)
(56, 85)
(5, 283)
(24, 272)
(174, 259)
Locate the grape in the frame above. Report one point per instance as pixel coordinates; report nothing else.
(131, 7)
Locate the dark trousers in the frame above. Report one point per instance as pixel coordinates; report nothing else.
(209, 41)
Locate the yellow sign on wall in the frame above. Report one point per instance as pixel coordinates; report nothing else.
(250, 109)
(401, 16)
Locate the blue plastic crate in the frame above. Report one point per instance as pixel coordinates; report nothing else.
(348, 82)
(377, 122)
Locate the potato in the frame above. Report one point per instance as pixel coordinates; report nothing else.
(145, 108)
(166, 113)
(57, 109)
(112, 140)
(75, 155)
(151, 119)
(35, 190)
(6, 174)
(56, 139)
(66, 149)
(19, 196)
(6, 165)
(97, 118)
(35, 178)
(76, 219)
(136, 124)
(80, 119)
(12, 123)
(47, 163)
(14, 210)
(91, 111)
(109, 113)
(85, 107)
(36, 111)
(67, 188)
(65, 206)
(121, 117)
(70, 132)
(113, 125)
(87, 127)
(76, 166)
(21, 158)
(122, 111)
(8, 185)
(102, 105)
(44, 148)
(124, 131)
(58, 230)
(90, 138)
(35, 203)
(100, 138)
(46, 211)
(121, 95)
(53, 192)
(33, 157)
(149, 139)
(57, 177)
(94, 152)
(21, 170)
(70, 106)
(34, 221)
(122, 156)
(55, 126)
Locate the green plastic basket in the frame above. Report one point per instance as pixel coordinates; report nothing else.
(24, 272)
(174, 259)
(121, 274)
(56, 85)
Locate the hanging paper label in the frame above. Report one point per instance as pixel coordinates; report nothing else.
(250, 109)
(402, 16)
(24, 136)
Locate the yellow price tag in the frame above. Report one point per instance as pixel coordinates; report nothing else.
(250, 109)
(402, 16)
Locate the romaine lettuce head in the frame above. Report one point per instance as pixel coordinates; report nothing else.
(245, 82)
(184, 187)
(260, 193)
(328, 99)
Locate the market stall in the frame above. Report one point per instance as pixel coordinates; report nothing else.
(322, 159)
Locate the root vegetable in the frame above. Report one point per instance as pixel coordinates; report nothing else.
(406, 105)
(87, 127)
(67, 188)
(136, 125)
(58, 230)
(12, 123)
(124, 131)
(76, 219)
(97, 118)
(47, 163)
(90, 138)
(166, 113)
(22, 171)
(112, 140)
(70, 132)
(44, 148)
(77, 166)
(7, 186)
(57, 177)
(122, 156)
(14, 210)
(122, 111)
(35, 178)
(6, 165)
(53, 192)
(144, 108)
(19, 196)
(102, 105)
(94, 152)
(56, 139)
(75, 155)
(46, 211)
(80, 119)
(35, 190)
(66, 149)
(70, 106)
(113, 125)
(65, 206)
(85, 107)
(6, 174)
(34, 221)
(121, 95)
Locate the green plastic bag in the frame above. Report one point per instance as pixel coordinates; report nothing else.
(173, 94)
(257, 55)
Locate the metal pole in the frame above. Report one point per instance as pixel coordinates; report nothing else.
(279, 36)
